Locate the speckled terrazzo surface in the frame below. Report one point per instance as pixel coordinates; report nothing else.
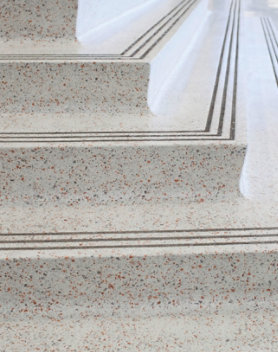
(131, 234)
(107, 162)
(62, 76)
(191, 332)
(37, 20)
(97, 175)
(142, 277)
(54, 87)
(153, 300)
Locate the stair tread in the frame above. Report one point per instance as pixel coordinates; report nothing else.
(105, 229)
(202, 332)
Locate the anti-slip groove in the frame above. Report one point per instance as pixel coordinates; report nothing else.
(272, 38)
(194, 238)
(140, 134)
(227, 73)
(126, 239)
(217, 229)
(218, 73)
(141, 246)
(153, 26)
(116, 140)
(234, 101)
(272, 50)
(163, 35)
(272, 31)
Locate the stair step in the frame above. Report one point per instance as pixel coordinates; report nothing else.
(158, 274)
(66, 20)
(101, 173)
(150, 223)
(69, 77)
(193, 153)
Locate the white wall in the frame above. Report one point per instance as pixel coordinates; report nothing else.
(95, 13)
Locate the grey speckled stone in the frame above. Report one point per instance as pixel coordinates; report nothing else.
(37, 19)
(105, 173)
(150, 301)
(74, 86)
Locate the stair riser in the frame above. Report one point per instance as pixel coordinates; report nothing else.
(38, 19)
(144, 285)
(74, 86)
(124, 174)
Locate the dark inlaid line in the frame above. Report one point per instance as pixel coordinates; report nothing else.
(128, 239)
(95, 137)
(152, 27)
(141, 246)
(271, 39)
(117, 140)
(130, 232)
(227, 75)
(234, 102)
(273, 33)
(163, 34)
(107, 137)
(99, 132)
(269, 51)
(218, 73)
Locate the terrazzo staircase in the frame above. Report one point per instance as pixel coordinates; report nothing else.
(99, 149)
(122, 223)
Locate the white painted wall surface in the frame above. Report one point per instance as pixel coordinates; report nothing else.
(93, 14)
